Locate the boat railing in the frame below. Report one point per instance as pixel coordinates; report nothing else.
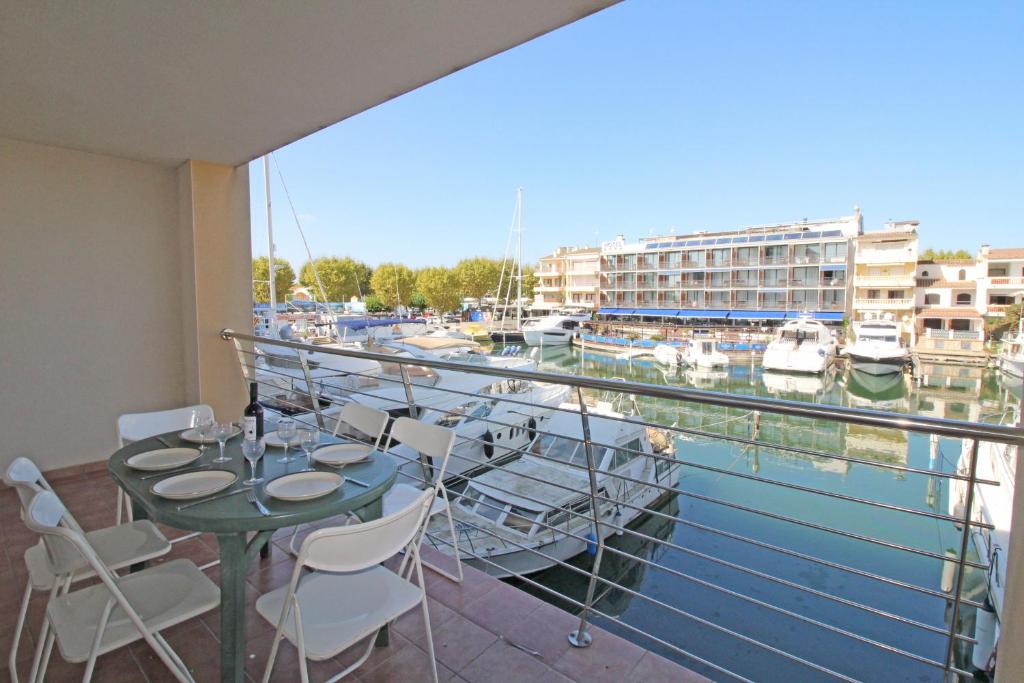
(935, 640)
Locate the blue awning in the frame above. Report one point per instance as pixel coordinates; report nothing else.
(757, 315)
(700, 313)
(828, 315)
(659, 312)
(615, 311)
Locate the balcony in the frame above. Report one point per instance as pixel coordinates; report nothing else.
(975, 335)
(889, 281)
(883, 304)
(547, 288)
(1002, 282)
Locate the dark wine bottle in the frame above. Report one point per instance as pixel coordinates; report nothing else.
(253, 416)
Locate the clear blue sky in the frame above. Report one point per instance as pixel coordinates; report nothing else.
(687, 115)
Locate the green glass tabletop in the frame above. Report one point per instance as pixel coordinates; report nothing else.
(233, 514)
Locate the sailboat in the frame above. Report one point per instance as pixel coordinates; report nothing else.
(503, 334)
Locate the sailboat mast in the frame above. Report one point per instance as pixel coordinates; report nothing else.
(519, 259)
(270, 247)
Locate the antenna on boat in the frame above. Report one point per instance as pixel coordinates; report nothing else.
(519, 259)
(270, 243)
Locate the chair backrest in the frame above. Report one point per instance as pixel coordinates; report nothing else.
(359, 546)
(369, 421)
(24, 476)
(433, 441)
(47, 516)
(136, 426)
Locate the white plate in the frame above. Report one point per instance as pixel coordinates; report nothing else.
(194, 484)
(304, 485)
(192, 436)
(162, 459)
(342, 453)
(274, 441)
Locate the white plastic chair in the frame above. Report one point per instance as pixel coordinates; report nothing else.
(349, 596)
(435, 443)
(137, 426)
(53, 565)
(117, 611)
(366, 420)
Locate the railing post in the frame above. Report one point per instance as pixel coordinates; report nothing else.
(580, 637)
(965, 537)
(314, 397)
(409, 398)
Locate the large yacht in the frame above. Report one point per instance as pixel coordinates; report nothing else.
(801, 345)
(506, 514)
(552, 330)
(878, 349)
(701, 353)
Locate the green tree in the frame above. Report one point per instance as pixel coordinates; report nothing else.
(930, 254)
(342, 278)
(418, 300)
(374, 304)
(996, 326)
(393, 284)
(478, 276)
(529, 280)
(284, 278)
(441, 287)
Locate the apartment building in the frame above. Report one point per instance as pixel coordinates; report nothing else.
(748, 276)
(1000, 278)
(569, 278)
(948, 309)
(885, 266)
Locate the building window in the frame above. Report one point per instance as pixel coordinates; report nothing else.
(874, 294)
(963, 274)
(924, 273)
(933, 323)
(963, 299)
(931, 299)
(1000, 300)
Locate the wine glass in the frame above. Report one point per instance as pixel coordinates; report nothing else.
(202, 422)
(309, 439)
(253, 451)
(222, 431)
(286, 432)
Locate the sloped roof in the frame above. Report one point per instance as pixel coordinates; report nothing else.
(1008, 253)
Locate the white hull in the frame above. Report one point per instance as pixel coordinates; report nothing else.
(552, 337)
(878, 366)
(1012, 365)
(797, 360)
(666, 355)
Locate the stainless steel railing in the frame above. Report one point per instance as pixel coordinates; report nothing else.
(591, 517)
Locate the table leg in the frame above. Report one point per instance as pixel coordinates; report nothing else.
(138, 513)
(233, 562)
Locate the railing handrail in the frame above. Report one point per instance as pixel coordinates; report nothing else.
(962, 429)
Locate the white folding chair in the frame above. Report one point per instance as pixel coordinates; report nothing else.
(137, 426)
(365, 420)
(53, 565)
(349, 596)
(93, 621)
(435, 443)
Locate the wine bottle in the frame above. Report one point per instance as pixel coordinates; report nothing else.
(253, 416)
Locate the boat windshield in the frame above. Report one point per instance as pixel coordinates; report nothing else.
(878, 336)
(559, 448)
(466, 413)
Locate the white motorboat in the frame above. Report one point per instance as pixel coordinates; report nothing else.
(489, 428)
(506, 514)
(993, 504)
(701, 353)
(667, 354)
(1011, 357)
(801, 345)
(551, 330)
(878, 349)
(436, 344)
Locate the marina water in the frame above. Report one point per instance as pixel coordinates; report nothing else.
(947, 391)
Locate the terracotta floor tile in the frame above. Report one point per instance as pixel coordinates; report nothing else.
(410, 624)
(459, 641)
(396, 645)
(542, 633)
(502, 663)
(410, 666)
(654, 668)
(501, 608)
(286, 665)
(609, 659)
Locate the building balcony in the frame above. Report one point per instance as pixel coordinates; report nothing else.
(547, 288)
(582, 287)
(883, 303)
(888, 281)
(977, 335)
(1004, 282)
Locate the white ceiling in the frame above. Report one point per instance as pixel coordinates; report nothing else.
(229, 81)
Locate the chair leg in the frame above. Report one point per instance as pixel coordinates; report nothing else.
(182, 674)
(457, 577)
(12, 665)
(44, 638)
(426, 613)
(40, 675)
(90, 664)
(300, 641)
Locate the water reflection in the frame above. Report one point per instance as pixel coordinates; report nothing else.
(868, 469)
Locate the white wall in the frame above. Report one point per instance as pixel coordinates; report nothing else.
(90, 299)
